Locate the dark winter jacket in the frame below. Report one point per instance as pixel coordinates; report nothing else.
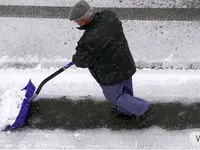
(104, 50)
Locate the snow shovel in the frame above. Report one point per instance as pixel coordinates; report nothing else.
(29, 96)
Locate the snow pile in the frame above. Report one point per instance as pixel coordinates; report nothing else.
(10, 104)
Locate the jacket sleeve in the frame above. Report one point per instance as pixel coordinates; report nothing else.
(90, 48)
(85, 55)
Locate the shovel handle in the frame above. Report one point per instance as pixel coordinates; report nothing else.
(52, 76)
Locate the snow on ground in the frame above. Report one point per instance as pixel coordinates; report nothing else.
(110, 3)
(154, 138)
(49, 41)
(154, 85)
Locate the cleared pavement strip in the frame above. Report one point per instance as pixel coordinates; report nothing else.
(89, 114)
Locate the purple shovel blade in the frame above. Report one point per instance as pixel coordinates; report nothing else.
(23, 113)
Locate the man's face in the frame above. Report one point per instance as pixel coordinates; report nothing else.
(81, 22)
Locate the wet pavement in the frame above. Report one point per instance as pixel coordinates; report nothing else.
(89, 114)
(168, 14)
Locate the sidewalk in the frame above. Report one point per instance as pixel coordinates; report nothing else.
(88, 122)
(87, 114)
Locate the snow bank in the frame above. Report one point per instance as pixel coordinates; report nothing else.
(153, 85)
(26, 42)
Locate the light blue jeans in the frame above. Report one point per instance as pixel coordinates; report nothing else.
(121, 95)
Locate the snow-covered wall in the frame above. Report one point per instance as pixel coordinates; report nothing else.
(110, 3)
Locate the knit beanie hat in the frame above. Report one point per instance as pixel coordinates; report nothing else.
(81, 10)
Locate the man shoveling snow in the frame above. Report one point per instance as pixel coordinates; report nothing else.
(104, 50)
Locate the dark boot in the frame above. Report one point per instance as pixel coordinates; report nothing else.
(146, 120)
(115, 112)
